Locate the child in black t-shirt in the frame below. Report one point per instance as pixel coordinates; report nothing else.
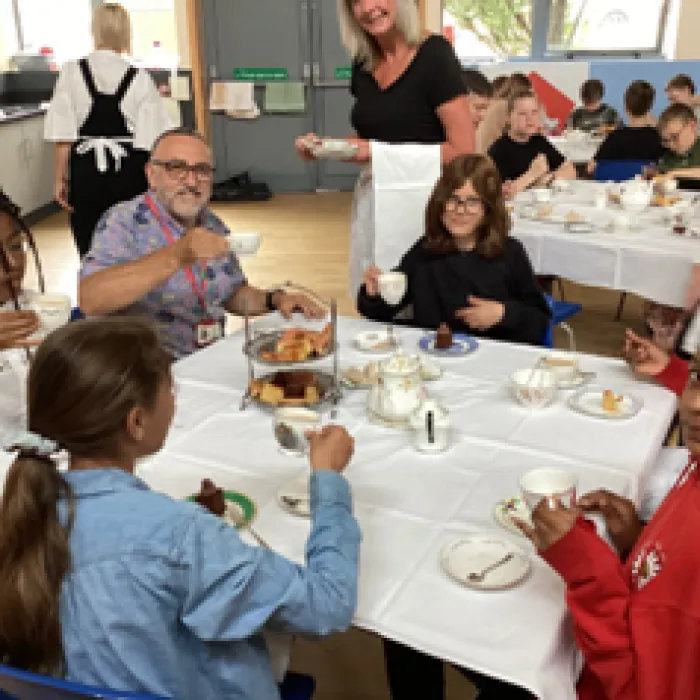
(639, 140)
(523, 156)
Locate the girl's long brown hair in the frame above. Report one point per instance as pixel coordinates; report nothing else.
(85, 379)
(486, 181)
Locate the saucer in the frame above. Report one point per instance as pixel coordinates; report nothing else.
(294, 497)
(461, 345)
(508, 508)
(581, 379)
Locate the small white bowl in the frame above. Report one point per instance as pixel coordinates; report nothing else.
(244, 243)
(548, 483)
(534, 388)
(542, 195)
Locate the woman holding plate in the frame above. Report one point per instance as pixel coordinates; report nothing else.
(398, 99)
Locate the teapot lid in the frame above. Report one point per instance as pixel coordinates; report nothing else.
(400, 363)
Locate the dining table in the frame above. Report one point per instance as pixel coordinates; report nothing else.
(409, 504)
(646, 257)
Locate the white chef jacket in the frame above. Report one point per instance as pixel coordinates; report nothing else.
(143, 107)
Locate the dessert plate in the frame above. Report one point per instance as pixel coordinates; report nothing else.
(376, 341)
(461, 345)
(240, 509)
(590, 402)
(473, 554)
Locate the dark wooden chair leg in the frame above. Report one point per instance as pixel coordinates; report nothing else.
(560, 284)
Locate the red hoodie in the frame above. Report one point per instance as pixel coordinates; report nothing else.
(638, 623)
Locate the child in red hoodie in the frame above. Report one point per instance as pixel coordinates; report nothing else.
(637, 622)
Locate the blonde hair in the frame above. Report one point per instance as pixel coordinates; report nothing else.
(361, 46)
(111, 28)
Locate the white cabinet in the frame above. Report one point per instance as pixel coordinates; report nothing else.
(26, 164)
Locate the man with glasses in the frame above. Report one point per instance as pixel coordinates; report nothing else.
(678, 128)
(165, 255)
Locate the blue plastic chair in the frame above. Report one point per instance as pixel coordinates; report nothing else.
(23, 685)
(619, 170)
(562, 311)
(76, 314)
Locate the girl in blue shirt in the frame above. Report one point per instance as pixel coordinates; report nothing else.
(111, 584)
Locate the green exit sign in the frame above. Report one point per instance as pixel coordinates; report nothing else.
(263, 75)
(343, 72)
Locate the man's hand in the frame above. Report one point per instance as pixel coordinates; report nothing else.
(291, 303)
(16, 327)
(481, 314)
(621, 519)
(200, 245)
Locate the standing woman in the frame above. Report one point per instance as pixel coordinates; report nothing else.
(408, 88)
(104, 117)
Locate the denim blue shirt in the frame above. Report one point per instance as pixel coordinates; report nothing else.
(165, 598)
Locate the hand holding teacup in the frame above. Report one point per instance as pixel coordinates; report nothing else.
(621, 520)
(330, 449)
(551, 522)
(16, 327)
(390, 285)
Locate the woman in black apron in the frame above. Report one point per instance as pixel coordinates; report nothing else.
(104, 118)
(104, 168)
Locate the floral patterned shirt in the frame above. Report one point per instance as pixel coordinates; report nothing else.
(128, 232)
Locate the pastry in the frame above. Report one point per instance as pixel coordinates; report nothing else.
(211, 498)
(443, 337)
(661, 200)
(287, 388)
(573, 217)
(611, 402)
(298, 345)
(544, 212)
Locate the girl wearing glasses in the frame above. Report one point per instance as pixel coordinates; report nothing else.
(104, 117)
(466, 271)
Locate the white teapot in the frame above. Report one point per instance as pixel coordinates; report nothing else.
(431, 427)
(398, 392)
(635, 196)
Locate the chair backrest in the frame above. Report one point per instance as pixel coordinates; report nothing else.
(23, 685)
(619, 170)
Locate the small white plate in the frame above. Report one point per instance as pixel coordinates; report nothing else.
(294, 498)
(590, 402)
(376, 341)
(474, 553)
(507, 509)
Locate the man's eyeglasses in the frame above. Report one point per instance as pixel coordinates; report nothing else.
(180, 169)
(461, 206)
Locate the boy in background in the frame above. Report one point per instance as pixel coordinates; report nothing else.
(479, 94)
(595, 115)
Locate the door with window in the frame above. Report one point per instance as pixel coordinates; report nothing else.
(291, 50)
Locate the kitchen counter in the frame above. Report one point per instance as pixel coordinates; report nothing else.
(14, 113)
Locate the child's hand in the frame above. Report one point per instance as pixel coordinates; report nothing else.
(481, 314)
(15, 327)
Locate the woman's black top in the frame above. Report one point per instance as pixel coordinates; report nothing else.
(439, 285)
(406, 111)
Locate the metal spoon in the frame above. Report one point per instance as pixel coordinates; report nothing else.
(479, 576)
(244, 525)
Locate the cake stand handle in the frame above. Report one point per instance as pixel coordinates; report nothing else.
(251, 372)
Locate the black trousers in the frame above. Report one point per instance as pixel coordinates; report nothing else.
(92, 193)
(413, 675)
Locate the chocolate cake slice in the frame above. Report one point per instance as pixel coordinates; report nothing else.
(443, 337)
(211, 497)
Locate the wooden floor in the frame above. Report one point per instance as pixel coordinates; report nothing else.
(305, 239)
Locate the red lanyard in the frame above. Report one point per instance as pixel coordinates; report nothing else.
(199, 290)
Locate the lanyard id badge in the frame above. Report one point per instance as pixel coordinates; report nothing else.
(207, 332)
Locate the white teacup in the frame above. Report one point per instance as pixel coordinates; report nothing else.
(244, 243)
(549, 483)
(542, 195)
(565, 367)
(290, 427)
(621, 223)
(392, 287)
(53, 310)
(534, 388)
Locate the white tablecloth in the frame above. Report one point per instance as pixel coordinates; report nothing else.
(410, 505)
(576, 152)
(648, 260)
